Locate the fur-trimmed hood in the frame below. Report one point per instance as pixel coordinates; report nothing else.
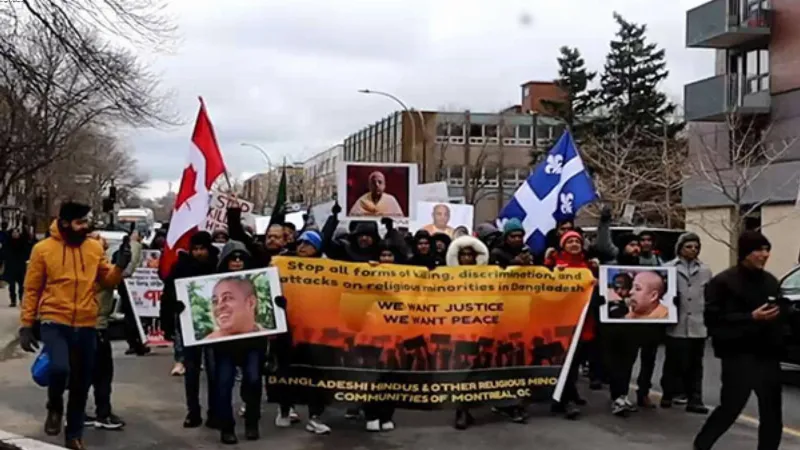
(467, 241)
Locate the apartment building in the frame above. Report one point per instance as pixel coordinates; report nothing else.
(319, 175)
(483, 157)
(756, 85)
(262, 188)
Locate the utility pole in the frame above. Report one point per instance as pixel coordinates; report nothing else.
(500, 162)
(667, 172)
(466, 172)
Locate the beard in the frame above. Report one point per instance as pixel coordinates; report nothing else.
(72, 237)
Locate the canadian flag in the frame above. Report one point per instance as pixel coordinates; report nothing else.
(204, 166)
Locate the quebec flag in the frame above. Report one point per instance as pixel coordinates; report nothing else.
(556, 190)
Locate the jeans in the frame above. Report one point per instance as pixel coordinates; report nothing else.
(193, 360)
(177, 344)
(103, 375)
(742, 375)
(72, 358)
(225, 364)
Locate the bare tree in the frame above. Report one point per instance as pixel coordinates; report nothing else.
(48, 104)
(732, 171)
(649, 179)
(79, 28)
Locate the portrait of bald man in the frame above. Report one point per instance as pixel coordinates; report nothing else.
(645, 298)
(441, 218)
(377, 202)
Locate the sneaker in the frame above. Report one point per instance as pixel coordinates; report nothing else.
(697, 408)
(571, 411)
(681, 400)
(283, 421)
(387, 426)
(518, 415)
(89, 421)
(314, 425)
(192, 421)
(178, 370)
(643, 401)
(52, 424)
(293, 416)
(630, 406)
(619, 407)
(242, 410)
(666, 402)
(111, 422)
(352, 413)
(373, 425)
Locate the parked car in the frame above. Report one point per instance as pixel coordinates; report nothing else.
(790, 289)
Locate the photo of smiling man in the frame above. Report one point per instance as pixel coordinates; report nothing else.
(638, 294)
(225, 307)
(233, 308)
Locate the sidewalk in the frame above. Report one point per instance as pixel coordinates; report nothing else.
(9, 324)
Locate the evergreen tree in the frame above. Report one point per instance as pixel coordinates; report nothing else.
(573, 79)
(629, 86)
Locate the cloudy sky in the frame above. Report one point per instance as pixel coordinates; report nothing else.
(284, 74)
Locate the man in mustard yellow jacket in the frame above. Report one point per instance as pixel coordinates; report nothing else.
(60, 298)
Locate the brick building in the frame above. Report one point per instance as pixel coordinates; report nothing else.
(319, 175)
(261, 188)
(757, 84)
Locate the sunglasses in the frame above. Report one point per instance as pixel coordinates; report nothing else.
(237, 257)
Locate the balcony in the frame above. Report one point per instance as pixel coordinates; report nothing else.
(725, 24)
(713, 99)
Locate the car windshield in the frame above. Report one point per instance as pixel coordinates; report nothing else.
(791, 283)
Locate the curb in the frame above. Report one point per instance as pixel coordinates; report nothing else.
(11, 441)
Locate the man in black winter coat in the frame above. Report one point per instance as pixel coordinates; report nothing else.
(745, 320)
(201, 259)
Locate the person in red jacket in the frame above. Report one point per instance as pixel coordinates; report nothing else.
(572, 255)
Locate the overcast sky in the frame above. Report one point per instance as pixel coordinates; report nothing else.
(284, 74)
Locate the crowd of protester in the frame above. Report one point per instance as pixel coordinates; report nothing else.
(69, 314)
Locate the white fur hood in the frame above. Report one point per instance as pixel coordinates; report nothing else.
(463, 242)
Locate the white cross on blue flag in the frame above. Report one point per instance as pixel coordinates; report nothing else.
(556, 190)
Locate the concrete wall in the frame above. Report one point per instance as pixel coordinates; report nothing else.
(780, 224)
(712, 225)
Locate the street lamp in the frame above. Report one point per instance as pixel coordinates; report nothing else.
(269, 173)
(413, 126)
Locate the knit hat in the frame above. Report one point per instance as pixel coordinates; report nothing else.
(312, 237)
(751, 241)
(201, 238)
(684, 239)
(625, 239)
(513, 225)
(567, 235)
(70, 211)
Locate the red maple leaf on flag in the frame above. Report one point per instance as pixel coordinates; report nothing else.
(187, 189)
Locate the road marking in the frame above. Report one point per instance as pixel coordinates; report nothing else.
(794, 432)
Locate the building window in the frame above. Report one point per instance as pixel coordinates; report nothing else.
(491, 130)
(757, 75)
(456, 172)
(544, 132)
(525, 92)
(456, 130)
(475, 131)
(524, 131)
(442, 130)
(751, 219)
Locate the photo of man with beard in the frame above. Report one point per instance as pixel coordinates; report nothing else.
(233, 308)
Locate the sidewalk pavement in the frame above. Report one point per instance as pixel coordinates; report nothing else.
(9, 325)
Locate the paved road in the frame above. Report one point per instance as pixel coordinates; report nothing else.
(151, 402)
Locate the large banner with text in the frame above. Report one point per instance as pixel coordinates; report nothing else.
(427, 339)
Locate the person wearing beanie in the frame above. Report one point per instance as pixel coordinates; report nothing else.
(511, 251)
(488, 234)
(744, 316)
(309, 244)
(60, 300)
(682, 378)
(648, 255)
(201, 259)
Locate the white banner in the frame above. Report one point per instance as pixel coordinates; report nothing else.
(144, 289)
(217, 218)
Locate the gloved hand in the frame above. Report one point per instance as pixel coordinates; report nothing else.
(605, 214)
(388, 223)
(27, 340)
(336, 209)
(124, 256)
(180, 307)
(280, 302)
